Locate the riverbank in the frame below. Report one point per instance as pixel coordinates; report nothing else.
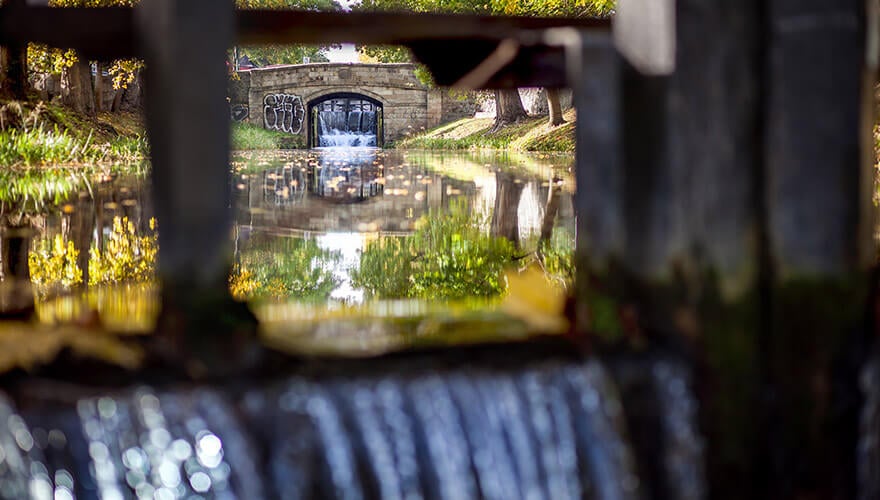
(531, 134)
(37, 134)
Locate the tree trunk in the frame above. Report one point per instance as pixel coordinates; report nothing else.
(13, 59)
(133, 93)
(117, 100)
(99, 88)
(83, 232)
(13, 76)
(508, 108)
(505, 220)
(555, 107)
(79, 94)
(550, 211)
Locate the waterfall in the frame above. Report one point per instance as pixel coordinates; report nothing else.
(347, 129)
(666, 437)
(868, 463)
(413, 429)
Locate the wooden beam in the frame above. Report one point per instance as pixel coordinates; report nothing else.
(106, 33)
(109, 32)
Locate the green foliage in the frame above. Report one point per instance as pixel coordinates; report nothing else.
(450, 256)
(286, 54)
(476, 134)
(558, 256)
(283, 54)
(126, 257)
(26, 187)
(284, 268)
(28, 137)
(41, 146)
(251, 137)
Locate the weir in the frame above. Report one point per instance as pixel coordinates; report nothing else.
(347, 121)
(539, 427)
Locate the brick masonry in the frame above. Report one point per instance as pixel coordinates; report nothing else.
(408, 106)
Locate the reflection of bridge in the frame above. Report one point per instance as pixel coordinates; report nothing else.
(394, 205)
(280, 97)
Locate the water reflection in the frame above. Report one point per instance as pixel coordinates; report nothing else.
(415, 225)
(327, 228)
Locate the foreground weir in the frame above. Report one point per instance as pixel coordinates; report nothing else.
(536, 425)
(724, 220)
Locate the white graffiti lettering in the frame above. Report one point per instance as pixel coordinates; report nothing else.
(283, 112)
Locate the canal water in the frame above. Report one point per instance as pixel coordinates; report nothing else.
(353, 253)
(348, 234)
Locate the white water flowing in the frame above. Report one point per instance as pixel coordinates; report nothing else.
(352, 129)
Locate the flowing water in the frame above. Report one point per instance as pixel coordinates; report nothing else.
(535, 429)
(347, 129)
(868, 462)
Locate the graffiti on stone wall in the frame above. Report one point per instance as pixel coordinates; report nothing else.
(239, 112)
(283, 112)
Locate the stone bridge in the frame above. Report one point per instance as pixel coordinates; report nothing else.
(287, 98)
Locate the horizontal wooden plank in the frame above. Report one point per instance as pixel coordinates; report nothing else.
(106, 33)
(110, 31)
(100, 33)
(256, 26)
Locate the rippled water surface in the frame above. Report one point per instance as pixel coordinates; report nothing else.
(365, 237)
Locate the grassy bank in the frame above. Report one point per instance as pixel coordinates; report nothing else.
(251, 137)
(36, 134)
(532, 134)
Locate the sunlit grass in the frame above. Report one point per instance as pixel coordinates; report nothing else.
(251, 137)
(44, 135)
(532, 134)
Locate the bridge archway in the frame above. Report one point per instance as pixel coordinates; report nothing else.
(351, 117)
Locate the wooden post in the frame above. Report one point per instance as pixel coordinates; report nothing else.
(726, 214)
(184, 46)
(13, 59)
(818, 159)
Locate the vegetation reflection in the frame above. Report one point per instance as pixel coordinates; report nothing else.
(450, 256)
(284, 268)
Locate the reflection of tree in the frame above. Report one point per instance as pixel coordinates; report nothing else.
(557, 255)
(505, 220)
(53, 265)
(448, 257)
(284, 268)
(126, 257)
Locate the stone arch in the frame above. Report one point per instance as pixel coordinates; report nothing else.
(330, 90)
(318, 98)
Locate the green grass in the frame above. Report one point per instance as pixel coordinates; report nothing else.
(51, 146)
(531, 134)
(36, 135)
(251, 137)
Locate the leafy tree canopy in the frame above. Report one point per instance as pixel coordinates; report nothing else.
(286, 54)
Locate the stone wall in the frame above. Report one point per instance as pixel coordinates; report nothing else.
(405, 100)
(534, 100)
